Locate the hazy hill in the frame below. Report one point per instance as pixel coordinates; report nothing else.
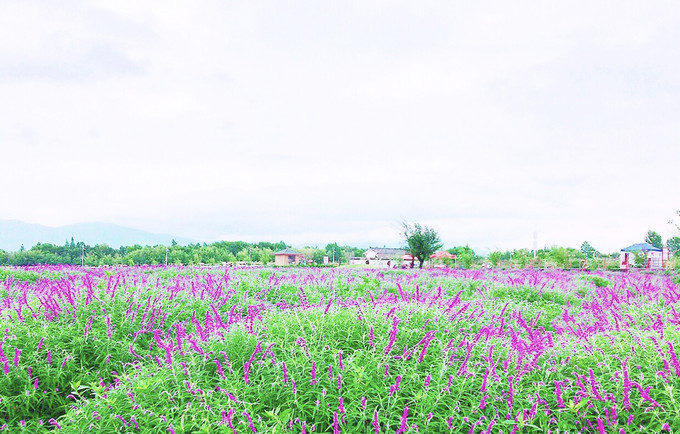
(14, 233)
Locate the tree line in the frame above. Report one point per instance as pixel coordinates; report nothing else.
(217, 253)
(79, 253)
(420, 240)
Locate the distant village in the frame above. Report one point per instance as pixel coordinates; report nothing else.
(649, 255)
(374, 257)
(639, 255)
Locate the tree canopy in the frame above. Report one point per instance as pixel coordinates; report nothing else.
(588, 250)
(654, 239)
(673, 244)
(421, 241)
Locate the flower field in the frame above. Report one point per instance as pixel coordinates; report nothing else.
(165, 349)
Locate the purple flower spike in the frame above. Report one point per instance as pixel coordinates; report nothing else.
(336, 426)
(250, 421)
(230, 415)
(17, 354)
(404, 426)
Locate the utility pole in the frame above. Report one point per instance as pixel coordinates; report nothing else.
(166, 256)
(82, 256)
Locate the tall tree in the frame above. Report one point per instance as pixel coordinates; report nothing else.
(587, 249)
(673, 244)
(334, 252)
(421, 241)
(654, 239)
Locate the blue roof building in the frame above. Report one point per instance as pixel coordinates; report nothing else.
(652, 256)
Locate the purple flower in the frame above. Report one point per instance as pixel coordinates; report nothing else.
(17, 354)
(336, 427)
(313, 373)
(250, 421)
(395, 386)
(404, 426)
(230, 415)
(246, 367)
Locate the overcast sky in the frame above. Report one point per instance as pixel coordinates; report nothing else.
(315, 122)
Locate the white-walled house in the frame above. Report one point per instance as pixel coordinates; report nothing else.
(655, 257)
(381, 257)
(386, 257)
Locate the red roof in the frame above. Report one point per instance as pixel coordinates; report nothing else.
(442, 254)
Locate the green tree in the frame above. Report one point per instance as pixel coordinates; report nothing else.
(465, 259)
(266, 256)
(654, 239)
(521, 257)
(560, 256)
(465, 256)
(334, 253)
(587, 250)
(673, 244)
(243, 255)
(421, 241)
(495, 258)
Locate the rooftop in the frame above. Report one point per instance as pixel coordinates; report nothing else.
(641, 247)
(288, 252)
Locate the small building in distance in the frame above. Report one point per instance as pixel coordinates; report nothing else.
(383, 253)
(654, 257)
(384, 257)
(288, 257)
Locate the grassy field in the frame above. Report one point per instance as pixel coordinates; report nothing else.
(156, 349)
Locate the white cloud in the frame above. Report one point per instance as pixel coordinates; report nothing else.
(313, 122)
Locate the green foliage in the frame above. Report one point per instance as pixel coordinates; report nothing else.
(495, 258)
(465, 256)
(588, 250)
(466, 259)
(640, 259)
(673, 244)
(596, 263)
(600, 282)
(193, 254)
(654, 239)
(560, 256)
(335, 253)
(521, 257)
(421, 241)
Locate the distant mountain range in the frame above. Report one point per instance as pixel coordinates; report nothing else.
(15, 233)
